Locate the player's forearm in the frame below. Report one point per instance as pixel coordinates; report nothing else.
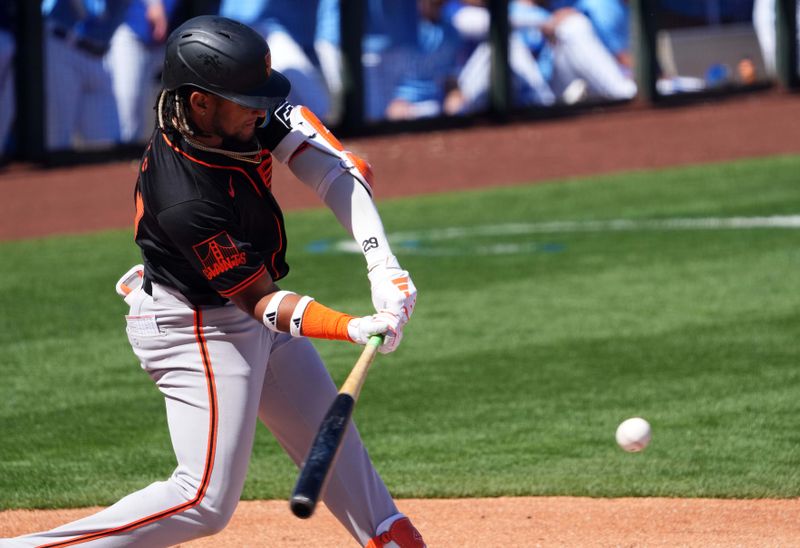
(301, 315)
(288, 312)
(341, 180)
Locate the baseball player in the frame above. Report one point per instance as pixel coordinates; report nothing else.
(429, 84)
(571, 62)
(573, 53)
(471, 19)
(611, 23)
(80, 101)
(387, 47)
(224, 344)
(764, 25)
(135, 59)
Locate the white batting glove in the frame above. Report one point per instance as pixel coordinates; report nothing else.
(392, 289)
(383, 323)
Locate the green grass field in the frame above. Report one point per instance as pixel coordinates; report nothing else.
(530, 343)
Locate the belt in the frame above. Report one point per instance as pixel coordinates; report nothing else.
(87, 46)
(194, 301)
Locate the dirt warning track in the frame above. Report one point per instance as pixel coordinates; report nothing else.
(87, 198)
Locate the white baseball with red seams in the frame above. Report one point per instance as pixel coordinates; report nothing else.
(634, 434)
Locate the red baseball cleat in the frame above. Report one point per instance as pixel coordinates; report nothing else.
(401, 534)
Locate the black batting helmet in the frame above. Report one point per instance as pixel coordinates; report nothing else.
(224, 57)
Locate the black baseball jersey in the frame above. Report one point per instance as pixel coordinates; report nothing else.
(207, 224)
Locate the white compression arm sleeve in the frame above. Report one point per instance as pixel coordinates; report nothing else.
(356, 212)
(347, 198)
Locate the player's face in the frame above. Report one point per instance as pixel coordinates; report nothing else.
(233, 121)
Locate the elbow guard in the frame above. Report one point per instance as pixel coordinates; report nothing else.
(315, 156)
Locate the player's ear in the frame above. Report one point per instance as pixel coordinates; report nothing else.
(200, 102)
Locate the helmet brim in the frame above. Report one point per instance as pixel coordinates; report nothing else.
(266, 97)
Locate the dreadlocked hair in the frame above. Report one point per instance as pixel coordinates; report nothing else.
(172, 111)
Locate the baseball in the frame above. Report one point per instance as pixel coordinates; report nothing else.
(633, 434)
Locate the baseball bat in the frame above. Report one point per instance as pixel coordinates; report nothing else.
(326, 444)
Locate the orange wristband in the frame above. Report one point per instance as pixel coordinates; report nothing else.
(321, 322)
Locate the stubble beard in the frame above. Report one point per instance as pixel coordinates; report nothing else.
(236, 141)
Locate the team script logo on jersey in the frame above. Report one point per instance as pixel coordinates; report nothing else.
(218, 254)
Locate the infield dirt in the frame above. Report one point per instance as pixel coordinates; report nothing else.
(82, 199)
(506, 522)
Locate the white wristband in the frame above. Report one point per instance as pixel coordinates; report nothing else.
(296, 323)
(270, 318)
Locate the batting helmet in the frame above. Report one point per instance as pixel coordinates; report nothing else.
(226, 58)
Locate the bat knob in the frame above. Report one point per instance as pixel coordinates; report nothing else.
(302, 506)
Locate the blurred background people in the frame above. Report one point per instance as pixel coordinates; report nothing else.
(471, 19)
(80, 106)
(135, 60)
(557, 52)
(429, 86)
(579, 63)
(419, 57)
(726, 18)
(611, 23)
(7, 82)
(290, 29)
(327, 45)
(388, 48)
(764, 25)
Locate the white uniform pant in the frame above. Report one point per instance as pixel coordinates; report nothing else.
(579, 53)
(764, 24)
(529, 84)
(330, 65)
(308, 84)
(219, 370)
(134, 67)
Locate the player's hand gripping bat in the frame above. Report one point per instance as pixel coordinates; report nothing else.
(322, 454)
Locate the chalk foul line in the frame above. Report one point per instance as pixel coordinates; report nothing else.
(418, 241)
